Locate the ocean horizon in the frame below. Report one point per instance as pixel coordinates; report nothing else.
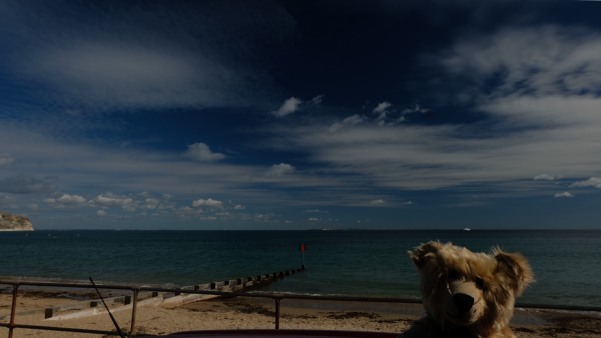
(351, 262)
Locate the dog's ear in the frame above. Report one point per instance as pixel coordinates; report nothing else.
(422, 254)
(515, 267)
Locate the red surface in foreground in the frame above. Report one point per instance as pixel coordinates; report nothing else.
(280, 333)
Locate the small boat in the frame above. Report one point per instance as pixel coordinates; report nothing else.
(467, 229)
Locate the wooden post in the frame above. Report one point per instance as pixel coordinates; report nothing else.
(277, 312)
(13, 311)
(133, 313)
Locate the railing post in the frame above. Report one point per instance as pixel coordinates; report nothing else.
(277, 312)
(133, 313)
(13, 311)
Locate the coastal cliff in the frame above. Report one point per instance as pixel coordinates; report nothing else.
(10, 222)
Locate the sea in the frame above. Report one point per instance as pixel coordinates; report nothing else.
(372, 263)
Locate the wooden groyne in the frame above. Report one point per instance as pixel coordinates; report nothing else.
(165, 299)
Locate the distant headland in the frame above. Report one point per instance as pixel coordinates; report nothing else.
(10, 222)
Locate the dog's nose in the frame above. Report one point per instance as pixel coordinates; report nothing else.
(463, 302)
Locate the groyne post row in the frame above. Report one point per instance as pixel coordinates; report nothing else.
(166, 299)
(241, 283)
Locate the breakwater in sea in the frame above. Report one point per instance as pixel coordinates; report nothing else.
(167, 299)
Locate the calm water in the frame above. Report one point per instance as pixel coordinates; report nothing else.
(375, 263)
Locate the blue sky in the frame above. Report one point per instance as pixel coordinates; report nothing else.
(301, 114)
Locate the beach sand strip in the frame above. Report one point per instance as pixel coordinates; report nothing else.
(255, 313)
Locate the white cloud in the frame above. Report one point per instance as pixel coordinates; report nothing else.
(279, 170)
(564, 194)
(289, 106)
(101, 213)
(386, 117)
(293, 104)
(99, 58)
(382, 107)
(390, 116)
(594, 182)
(202, 153)
(71, 199)
(545, 60)
(544, 123)
(207, 203)
(564, 139)
(547, 86)
(347, 122)
(545, 177)
(416, 109)
(66, 200)
(317, 100)
(5, 159)
(383, 112)
(112, 74)
(151, 203)
(111, 200)
(553, 111)
(377, 202)
(70, 166)
(410, 156)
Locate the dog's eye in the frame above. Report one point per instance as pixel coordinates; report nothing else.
(453, 275)
(479, 283)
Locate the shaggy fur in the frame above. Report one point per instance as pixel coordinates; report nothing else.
(467, 294)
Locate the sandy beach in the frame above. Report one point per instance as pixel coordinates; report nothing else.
(253, 313)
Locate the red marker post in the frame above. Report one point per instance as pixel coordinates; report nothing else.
(303, 248)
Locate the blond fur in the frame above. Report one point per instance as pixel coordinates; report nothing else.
(467, 294)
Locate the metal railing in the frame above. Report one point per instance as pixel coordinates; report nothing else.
(276, 297)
